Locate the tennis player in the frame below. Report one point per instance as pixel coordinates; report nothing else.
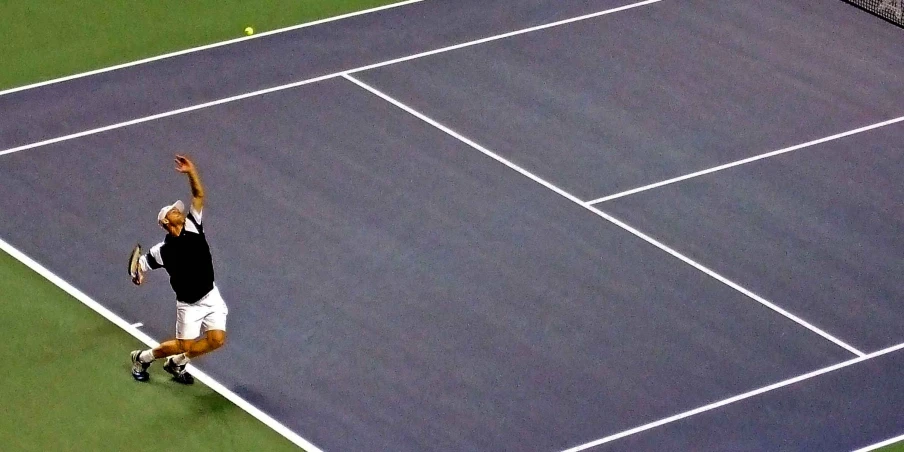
(200, 310)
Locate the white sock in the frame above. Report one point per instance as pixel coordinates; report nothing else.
(181, 359)
(146, 356)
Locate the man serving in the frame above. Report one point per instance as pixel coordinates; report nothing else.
(200, 310)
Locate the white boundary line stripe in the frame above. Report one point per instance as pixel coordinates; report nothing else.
(736, 398)
(606, 216)
(881, 444)
(315, 79)
(205, 47)
(137, 325)
(725, 280)
(747, 160)
(150, 342)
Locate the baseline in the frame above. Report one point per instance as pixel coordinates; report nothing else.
(881, 444)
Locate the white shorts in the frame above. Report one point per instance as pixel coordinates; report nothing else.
(208, 313)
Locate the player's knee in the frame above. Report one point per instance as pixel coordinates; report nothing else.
(184, 345)
(216, 339)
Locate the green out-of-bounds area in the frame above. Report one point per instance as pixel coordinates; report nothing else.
(46, 39)
(66, 384)
(897, 447)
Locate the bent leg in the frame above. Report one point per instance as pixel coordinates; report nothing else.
(212, 340)
(168, 348)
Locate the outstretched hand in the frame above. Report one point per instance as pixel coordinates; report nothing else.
(184, 165)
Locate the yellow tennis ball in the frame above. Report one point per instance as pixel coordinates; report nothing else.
(249, 31)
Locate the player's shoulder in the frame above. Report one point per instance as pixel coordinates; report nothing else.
(192, 226)
(196, 215)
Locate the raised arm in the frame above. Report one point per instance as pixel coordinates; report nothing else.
(185, 166)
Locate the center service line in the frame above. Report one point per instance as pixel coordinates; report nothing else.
(747, 160)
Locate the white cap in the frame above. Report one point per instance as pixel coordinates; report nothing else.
(177, 205)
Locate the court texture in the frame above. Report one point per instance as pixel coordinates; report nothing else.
(530, 225)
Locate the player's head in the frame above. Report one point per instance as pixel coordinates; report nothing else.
(172, 215)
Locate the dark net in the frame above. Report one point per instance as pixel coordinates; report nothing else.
(890, 10)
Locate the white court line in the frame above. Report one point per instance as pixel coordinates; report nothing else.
(860, 355)
(318, 79)
(747, 160)
(161, 115)
(736, 398)
(205, 47)
(138, 325)
(606, 216)
(150, 342)
(503, 36)
(143, 337)
(881, 444)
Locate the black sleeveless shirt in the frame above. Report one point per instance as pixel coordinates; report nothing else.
(187, 259)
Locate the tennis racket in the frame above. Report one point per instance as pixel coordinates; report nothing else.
(134, 271)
